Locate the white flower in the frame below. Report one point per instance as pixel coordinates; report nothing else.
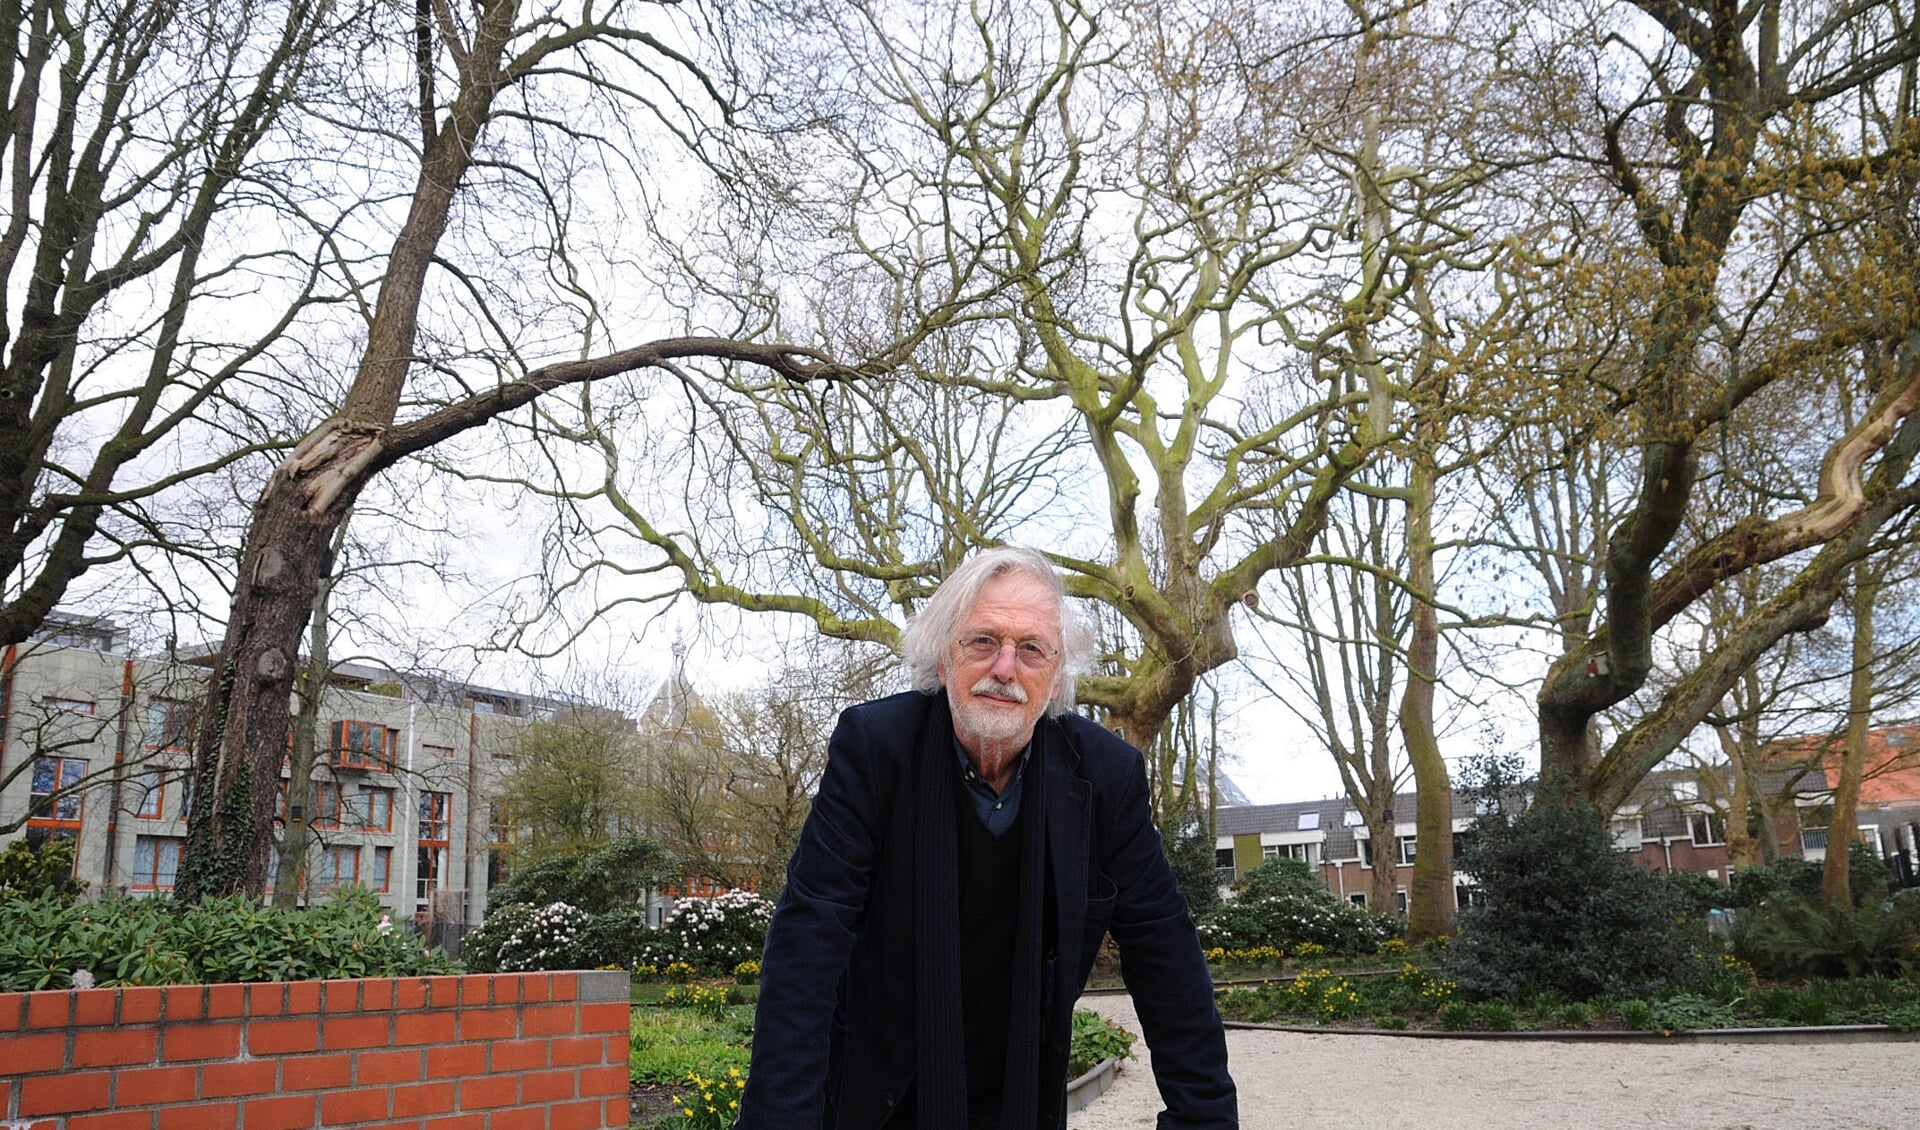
(82, 979)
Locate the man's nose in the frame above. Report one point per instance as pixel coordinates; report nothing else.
(1006, 662)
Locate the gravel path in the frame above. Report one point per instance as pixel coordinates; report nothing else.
(1293, 1080)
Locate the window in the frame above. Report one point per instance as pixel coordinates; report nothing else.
(1686, 790)
(326, 805)
(148, 788)
(1309, 821)
(1466, 895)
(54, 801)
(339, 866)
(1351, 818)
(155, 860)
(1404, 846)
(370, 810)
(435, 811)
(1628, 832)
(67, 705)
(500, 828)
(362, 745)
(1813, 839)
(1400, 901)
(1269, 851)
(1224, 871)
(1358, 898)
(1707, 828)
(382, 877)
(1305, 853)
(1870, 836)
(169, 724)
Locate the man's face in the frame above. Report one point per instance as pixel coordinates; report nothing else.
(996, 700)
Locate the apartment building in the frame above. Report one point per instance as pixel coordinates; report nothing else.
(1676, 820)
(94, 748)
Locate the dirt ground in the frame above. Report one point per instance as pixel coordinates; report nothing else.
(1291, 1080)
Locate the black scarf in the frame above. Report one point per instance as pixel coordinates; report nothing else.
(938, 1032)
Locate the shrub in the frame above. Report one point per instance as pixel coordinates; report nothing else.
(599, 880)
(1792, 936)
(551, 937)
(1095, 1039)
(1280, 904)
(122, 941)
(28, 871)
(712, 935)
(1567, 913)
(1191, 854)
(480, 949)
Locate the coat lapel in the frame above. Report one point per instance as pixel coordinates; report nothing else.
(1069, 843)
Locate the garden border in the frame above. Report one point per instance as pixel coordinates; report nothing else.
(1096, 1081)
(1825, 1034)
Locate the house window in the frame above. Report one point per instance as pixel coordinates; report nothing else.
(370, 810)
(1404, 846)
(1686, 790)
(67, 705)
(1358, 898)
(1351, 818)
(155, 860)
(1707, 828)
(326, 805)
(362, 745)
(1270, 851)
(148, 798)
(382, 877)
(436, 810)
(1813, 839)
(339, 866)
(1308, 822)
(1304, 853)
(169, 724)
(1400, 901)
(1365, 848)
(1224, 872)
(1466, 895)
(1870, 836)
(1628, 832)
(53, 804)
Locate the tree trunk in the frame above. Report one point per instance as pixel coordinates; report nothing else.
(1431, 899)
(1836, 892)
(296, 836)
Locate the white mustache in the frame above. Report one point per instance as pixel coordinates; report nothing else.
(990, 685)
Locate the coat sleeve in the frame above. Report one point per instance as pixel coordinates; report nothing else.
(811, 936)
(1165, 972)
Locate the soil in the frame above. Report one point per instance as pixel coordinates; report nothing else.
(648, 1101)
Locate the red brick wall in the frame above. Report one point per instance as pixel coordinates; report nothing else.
(514, 1051)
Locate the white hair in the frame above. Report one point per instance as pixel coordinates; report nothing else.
(929, 635)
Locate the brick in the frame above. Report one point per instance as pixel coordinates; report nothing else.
(421, 1099)
(48, 1009)
(456, 1122)
(410, 992)
(455, 1060)
(95, 1008)
(603, 1081)
(618, 1047)
(289, 1112)
(425, 1028)
(244, 1077)
(475, 990)
(13, 1011)
(280, 1037)
(303, 996)
(151, 1086)
(549, 1020)
(536, 988)
(200, 1116)
(356, 1032)
(572, 1051)
(113, 1120)
(489, 1091)
(490, 1024)
(65, 1093)
(44, 1051)
(443, 992)
(340, 1108)
(376, 995)
(546, 1086)
(140, 1005)
(524, 1118)
(617, 1111)
(574, 1116)
(266, 1000)
(112, 1048)
(565, 987)
(314, 1072)
(518, 1055)
(388, 1067)
(185, 1002)
(225, 1002)
(201, 1041)
(506, 988)
(341, 997)
(606, 1017)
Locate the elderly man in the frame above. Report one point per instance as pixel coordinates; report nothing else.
(971, 843)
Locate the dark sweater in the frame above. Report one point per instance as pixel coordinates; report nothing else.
(989, 886)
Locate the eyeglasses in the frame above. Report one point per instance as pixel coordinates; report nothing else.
(1032, 654)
